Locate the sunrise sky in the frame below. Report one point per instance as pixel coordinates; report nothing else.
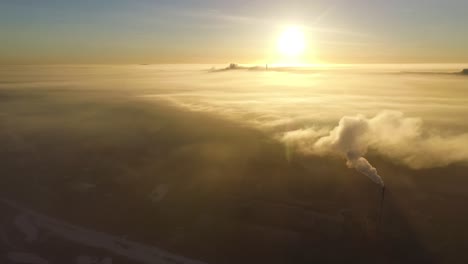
(144, 31)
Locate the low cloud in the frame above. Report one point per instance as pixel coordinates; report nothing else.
(303, 113)
(402, 139)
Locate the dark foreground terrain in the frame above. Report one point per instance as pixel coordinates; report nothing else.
(187, 184)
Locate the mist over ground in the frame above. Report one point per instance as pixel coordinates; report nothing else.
(242, 166)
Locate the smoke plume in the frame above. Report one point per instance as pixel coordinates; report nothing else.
(389, 134)
(350, 139)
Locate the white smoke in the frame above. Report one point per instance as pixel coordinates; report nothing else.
(390, 134)
(349, 139)
(363, 166)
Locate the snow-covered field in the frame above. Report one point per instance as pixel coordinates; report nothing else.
(28, 228)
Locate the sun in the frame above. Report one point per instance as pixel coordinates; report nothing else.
(291, 42)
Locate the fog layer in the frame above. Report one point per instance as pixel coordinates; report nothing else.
(414, 119)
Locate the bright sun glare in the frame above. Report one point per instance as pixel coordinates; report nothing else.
(291, 42)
